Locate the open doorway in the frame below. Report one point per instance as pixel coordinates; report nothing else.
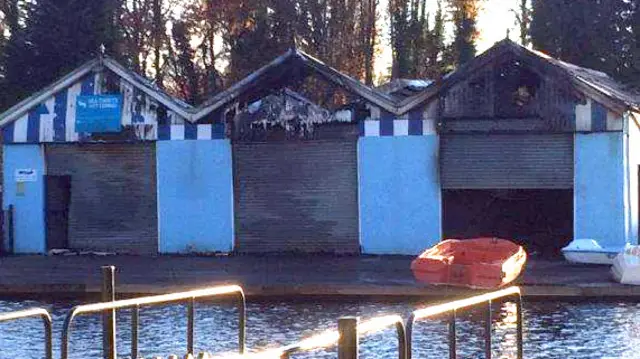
(541, 220)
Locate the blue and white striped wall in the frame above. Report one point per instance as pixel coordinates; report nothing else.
(594, 117)
(189, 131)
(417, 122)
(54, 119)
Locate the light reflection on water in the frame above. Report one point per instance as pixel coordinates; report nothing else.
(552, 330)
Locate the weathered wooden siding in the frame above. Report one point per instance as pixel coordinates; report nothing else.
(113, 195)
(296, 196)
(509, 89)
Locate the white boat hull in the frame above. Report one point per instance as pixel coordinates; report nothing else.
(626, 268)
(589, 257)
(589, 251)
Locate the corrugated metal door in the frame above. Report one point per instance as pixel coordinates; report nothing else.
(296, 197)
(476, 161)
(113, 204)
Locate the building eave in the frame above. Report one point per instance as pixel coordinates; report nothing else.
(580, 87)
(156, 94)
(330, 74)
(17, 111)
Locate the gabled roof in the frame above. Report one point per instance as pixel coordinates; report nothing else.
(282, 67)
(587, 82)
(143, 84)
(592, 83)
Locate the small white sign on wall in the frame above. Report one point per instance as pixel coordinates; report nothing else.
(26, 175)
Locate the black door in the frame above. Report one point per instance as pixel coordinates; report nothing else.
(58, 195)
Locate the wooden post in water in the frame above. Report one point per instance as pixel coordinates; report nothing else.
(348, 342)
(109, 316)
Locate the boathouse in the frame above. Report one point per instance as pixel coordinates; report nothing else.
(533, 149)
(300, 157)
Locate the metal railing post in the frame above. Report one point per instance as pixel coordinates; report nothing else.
(487, 332)
(452, 307)
(188, 297)
(348, 341)
(519, 325)
(190, 320)
(135, 320)
(48, 337)
(32, 313)
(242, 322)
(409, 332)
(452, 335)
(109, 316)
(402, 340)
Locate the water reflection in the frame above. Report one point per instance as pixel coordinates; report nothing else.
(552, 330)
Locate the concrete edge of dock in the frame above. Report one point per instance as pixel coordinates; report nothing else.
(568, 292)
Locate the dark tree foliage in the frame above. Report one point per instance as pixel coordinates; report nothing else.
(593, 34)
(258, 33)
(417, 47)
(523, 21)
(12, 49)
(464, 14)
(182, 62)
(58, 36)
(632, 73)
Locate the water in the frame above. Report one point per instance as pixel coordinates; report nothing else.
(552, 330)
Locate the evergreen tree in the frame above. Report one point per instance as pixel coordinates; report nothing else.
(632, 73)
(185, 75)
(588, 33)
(368, 35)
(418, 48)
(523, 21)
(399, 31)
(464, 14)
(58, 36)
(437, 63)
(250, 40)
(11, 61)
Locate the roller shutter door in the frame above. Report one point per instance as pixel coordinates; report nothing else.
(113, 204)
(496, 161)
(296, 197)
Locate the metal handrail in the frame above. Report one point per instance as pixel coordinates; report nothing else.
(157, 300)
(331, 338)
(33, 313)
(452, 307)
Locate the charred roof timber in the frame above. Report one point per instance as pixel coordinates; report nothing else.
(398, 97)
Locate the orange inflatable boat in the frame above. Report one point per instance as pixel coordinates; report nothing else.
(475, 263)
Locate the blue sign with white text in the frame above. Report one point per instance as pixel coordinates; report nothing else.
(98, 113)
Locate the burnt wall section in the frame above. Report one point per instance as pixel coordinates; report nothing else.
(285, 115)
(113, 205)
(509, 89)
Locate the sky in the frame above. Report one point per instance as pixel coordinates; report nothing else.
(493, 21)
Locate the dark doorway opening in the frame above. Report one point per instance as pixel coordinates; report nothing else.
(58, 189)
(541, 220)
